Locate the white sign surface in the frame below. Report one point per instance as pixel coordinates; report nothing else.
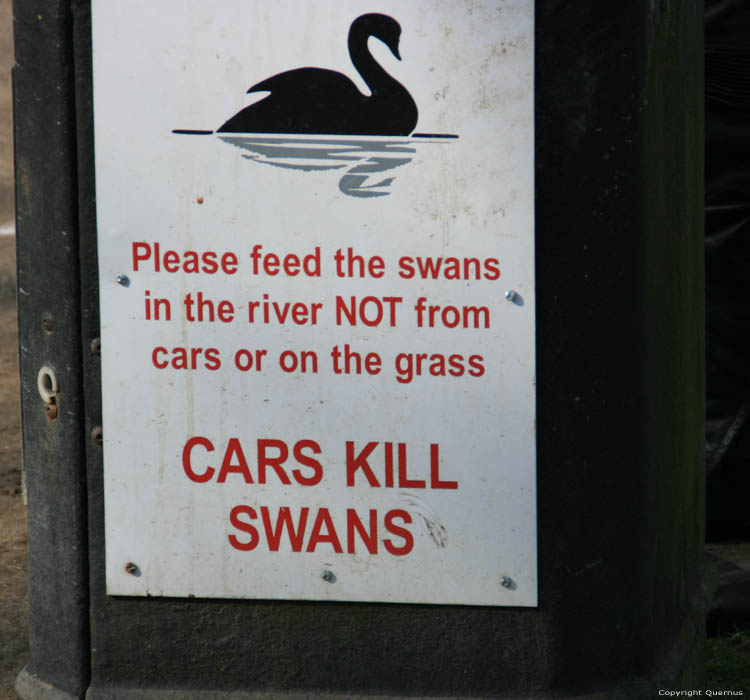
(317, 298)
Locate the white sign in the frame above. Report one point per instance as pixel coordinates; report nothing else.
(316, 260)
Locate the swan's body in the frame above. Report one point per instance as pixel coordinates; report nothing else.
(321, 101)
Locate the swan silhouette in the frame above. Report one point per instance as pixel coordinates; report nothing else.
(321, 101)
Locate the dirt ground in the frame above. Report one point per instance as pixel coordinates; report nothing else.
(6, 132)
(13, 599)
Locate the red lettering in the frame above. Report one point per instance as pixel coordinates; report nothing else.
(389, 464)
(187, 464)
(159, 364)
(280, 526)
(406, 267)
(229, 263)
(492, 268)
(370, 539)
(435, 481)
(234, 519)
(429, 267)
(476, 362)
(450, 268)
(403, 480)
(141, 251)
(401, 532)
(306, 461)
(171, 261)
(213, 360)
(317, 536)
(274, 462)
(360, 462)
(234, 449)
(284, 520)
(373, 317)
(291, 264)
(271, 264)
(456, 365)
(189, 262)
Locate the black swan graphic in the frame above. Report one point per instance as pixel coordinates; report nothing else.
(321, 101)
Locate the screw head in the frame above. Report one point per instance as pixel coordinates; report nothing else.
(511, 295)
(328, 576)
(124, 280)
(96, 346)
(97, 435)
(508, 582)
(132, 569)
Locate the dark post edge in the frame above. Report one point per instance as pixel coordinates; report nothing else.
(49, 327)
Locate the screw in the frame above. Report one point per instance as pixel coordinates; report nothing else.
(507, 582)
(97, 435)
(50, 410)
(512, 295)
(328, 575)
(96, 346)
(132, 569)
(124, 280)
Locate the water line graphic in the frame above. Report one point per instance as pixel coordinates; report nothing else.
(322, 105)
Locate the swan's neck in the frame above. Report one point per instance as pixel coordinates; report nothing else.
(371, 71)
